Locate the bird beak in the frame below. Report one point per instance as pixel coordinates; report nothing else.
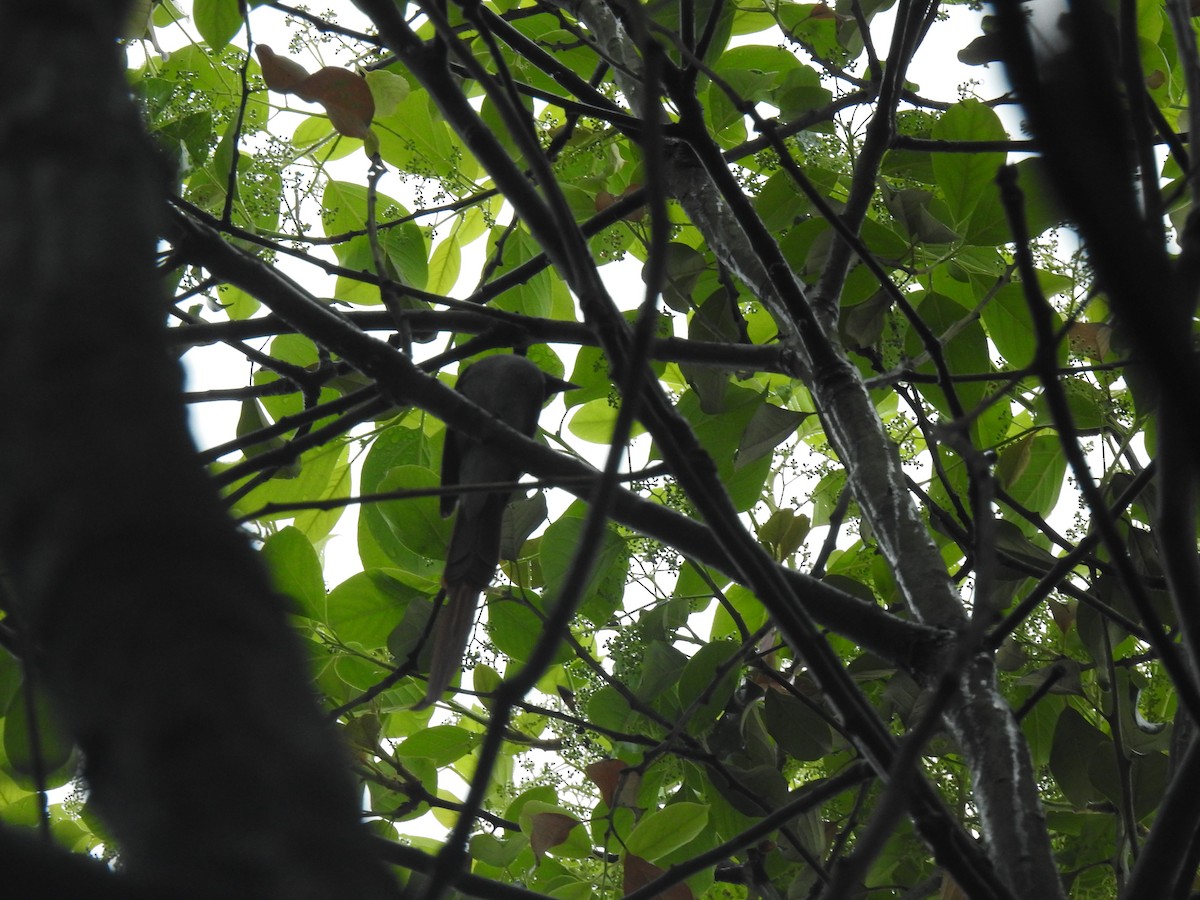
(555, 385)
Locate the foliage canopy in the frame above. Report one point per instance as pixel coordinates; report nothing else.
(878, 575)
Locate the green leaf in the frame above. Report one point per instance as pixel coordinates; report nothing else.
(963, 346)
(605, 587)
(552, 828)
(443, 744)
(769, 427)
(720, 436)
(396, 446)
(609, 709)
(1076, 743)
(709, 679)
(323, 472)
(344, 209)
(488, 848)
(296, 570)
(365, 608)
(965, 177)
(416, 139)
(217, 21)
(444, 266)
(515, 628)
(388, 89)
(36, 743)
(416, 522)
(684, 265)
(1041, 479)
(665, 830)
(746, 605)
(1010, 327)
(798, 728)
(534, 295)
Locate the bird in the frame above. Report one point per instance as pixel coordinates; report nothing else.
(513, 389)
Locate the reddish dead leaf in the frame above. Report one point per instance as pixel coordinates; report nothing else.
(346, 97)
(280, 73)
(1091, 339)
(617, 782)
(606, 773)
(822, 11)
(549, 830)
(639, 873)
(639, 213)
(1063, 615)
(605, 199)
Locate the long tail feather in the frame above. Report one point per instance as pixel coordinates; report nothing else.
(451, 632)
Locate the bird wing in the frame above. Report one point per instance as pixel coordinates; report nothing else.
(451, 455)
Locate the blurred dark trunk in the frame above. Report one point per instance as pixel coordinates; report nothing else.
(147, 617)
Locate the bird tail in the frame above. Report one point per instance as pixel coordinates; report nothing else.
(451, 633)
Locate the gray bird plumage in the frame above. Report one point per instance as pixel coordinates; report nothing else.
(512, 389)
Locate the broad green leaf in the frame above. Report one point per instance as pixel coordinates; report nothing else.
(1041, 479)
(609, 709)
(963, 345)
(594, 421)
(396, 446)
(748, 607)
(784, 532)
(495, 852)
(605, 586)
(797, 727)
(365, 608)
(344, 209)
(515, 628)
(551, 828)
(1076, 743)
(709, 680)
(296, 570)
(661, 665)
(217, 21)
(665, 830)
(416, 522)
(720, 436)
(444, 266)
(316, 137)
(1010, 327)
(541, 793)
(965, 177)
(443, 744)
(769, 427)
(38, 742)
(1089, 406)
(322, 470)
(533, 296)
(388, 89)
(415, 138)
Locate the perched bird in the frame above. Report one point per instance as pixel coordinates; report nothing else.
(512, 389)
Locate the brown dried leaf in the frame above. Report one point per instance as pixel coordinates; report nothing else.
(280, 73)
(639, 873)
(618, 783)
(1092, 340)
(605, 774)
(345, 96)
(549, 830)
